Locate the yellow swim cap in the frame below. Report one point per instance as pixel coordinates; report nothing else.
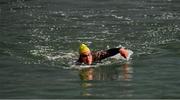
(83, 48)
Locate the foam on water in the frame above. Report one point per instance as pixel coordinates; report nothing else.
(119, 57)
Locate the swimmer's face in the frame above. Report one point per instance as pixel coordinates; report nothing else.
(87, 57)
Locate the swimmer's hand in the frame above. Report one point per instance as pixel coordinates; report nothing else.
(123, 52)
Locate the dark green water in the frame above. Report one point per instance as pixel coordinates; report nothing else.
(40, 38)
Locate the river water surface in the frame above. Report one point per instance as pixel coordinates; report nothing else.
(39, 39)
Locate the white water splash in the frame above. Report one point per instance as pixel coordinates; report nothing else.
(119, 57)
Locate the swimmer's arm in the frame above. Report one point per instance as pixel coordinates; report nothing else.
(99, 55)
